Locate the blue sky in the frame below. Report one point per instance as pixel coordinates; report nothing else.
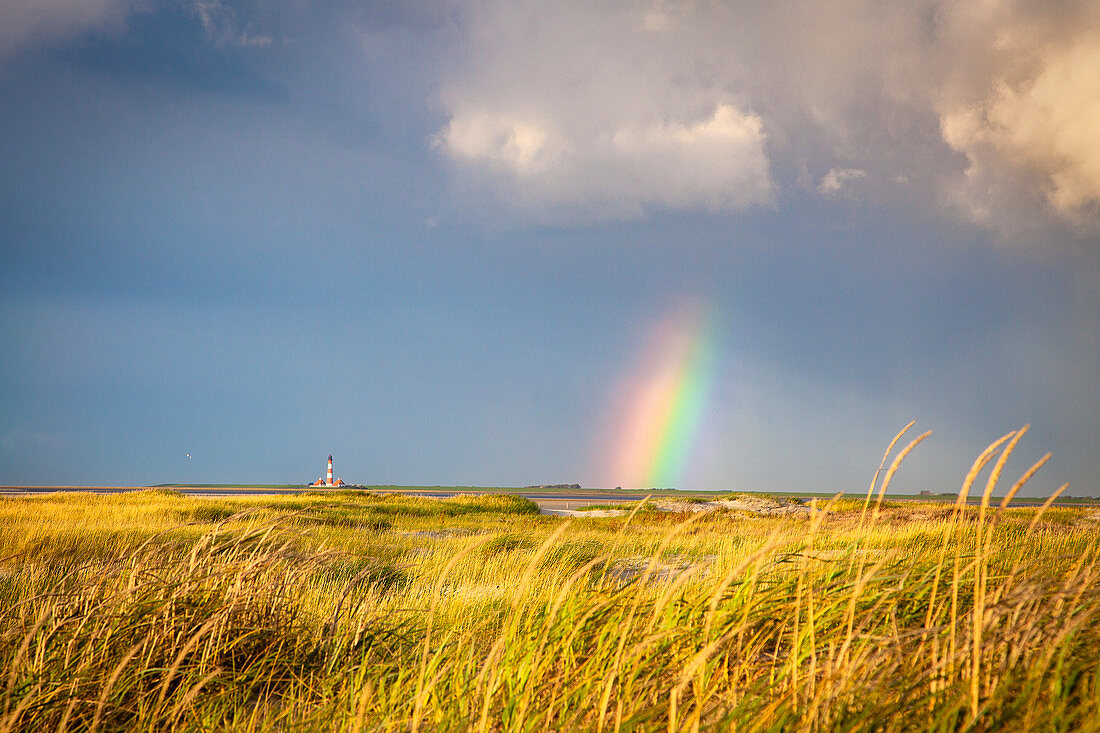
(434, 239)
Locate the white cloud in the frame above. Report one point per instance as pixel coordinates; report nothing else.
(607, 108)
(714, 163)
(1045, 129)
(837, 179)
(572, 112)
(516, 146)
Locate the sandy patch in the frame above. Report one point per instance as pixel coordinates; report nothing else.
(751, 505)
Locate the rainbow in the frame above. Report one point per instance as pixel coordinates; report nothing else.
(667, 398)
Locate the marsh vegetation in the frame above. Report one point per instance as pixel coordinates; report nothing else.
(354, 611)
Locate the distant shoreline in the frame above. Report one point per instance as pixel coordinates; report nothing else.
(442, 491)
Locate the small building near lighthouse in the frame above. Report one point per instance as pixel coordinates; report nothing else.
(327, 480)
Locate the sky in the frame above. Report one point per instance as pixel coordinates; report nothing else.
(704, 245)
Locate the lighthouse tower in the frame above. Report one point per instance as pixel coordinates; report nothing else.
(327, 480)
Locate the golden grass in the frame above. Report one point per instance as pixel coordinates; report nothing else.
(351, 612)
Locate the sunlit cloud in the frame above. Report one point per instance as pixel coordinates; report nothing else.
(608, 110)
(515, 146)
(715, 163)
(837, 179)
(1046, 127)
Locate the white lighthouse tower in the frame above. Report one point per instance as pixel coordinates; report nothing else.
(327, 480)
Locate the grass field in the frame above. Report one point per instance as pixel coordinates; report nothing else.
(350, 611)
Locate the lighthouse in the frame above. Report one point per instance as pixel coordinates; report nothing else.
(327, 480)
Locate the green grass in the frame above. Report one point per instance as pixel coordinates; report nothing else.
(355, 611)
